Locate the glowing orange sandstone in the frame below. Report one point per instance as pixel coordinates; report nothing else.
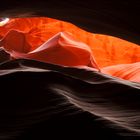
(58, 42)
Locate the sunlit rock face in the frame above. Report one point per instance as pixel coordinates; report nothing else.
(58, 42)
